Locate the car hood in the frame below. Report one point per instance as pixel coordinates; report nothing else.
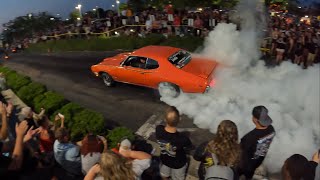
(115, 60)
(200, 67)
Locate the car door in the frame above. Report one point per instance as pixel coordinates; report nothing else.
(151, 74)
(130, 72)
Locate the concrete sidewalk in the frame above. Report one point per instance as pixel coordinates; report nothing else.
(197, 136)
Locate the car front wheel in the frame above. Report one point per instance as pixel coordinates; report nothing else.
(168, 90)
(107, 79)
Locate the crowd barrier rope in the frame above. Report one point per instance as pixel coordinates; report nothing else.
(107, 33)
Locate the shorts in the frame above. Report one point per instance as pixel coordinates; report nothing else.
(280, 50)
(311, 57)
(175, 174)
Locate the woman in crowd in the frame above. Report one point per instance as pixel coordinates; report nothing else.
(91, 149)
(46, 140)
(298, 51)
(111, 167)
(275, 35)
(224, 146)
(281, 45)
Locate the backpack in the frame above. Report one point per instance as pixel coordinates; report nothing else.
(218, 171)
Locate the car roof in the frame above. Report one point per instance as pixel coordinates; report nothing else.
(157, 53)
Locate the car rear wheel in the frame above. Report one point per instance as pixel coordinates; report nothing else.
(107, 79)
(168, 90)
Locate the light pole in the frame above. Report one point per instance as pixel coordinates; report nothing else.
(97, 12)
(118, 7)
(79, 7)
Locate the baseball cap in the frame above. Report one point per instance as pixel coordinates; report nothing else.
(125, 145)
(261, 114)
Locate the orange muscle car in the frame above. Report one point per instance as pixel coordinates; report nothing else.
(168, 69)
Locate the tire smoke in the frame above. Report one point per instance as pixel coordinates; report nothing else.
(242, 81)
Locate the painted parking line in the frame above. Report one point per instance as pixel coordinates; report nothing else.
(149, 127)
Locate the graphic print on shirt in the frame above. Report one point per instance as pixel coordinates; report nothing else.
(263, 145)
(167, 148)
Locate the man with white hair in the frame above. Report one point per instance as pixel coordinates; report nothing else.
(31, 117)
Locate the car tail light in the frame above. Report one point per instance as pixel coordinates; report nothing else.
(212, 83)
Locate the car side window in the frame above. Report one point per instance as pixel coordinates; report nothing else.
(152, 64)
(137, 62)
(129, 60)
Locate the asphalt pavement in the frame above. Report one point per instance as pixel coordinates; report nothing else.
(69, 74)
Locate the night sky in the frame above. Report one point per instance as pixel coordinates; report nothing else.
(9, 9)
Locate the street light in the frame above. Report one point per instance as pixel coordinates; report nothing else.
(97, 12)
(79, 7)
(118, 2)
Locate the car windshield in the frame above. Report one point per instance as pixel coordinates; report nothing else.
(180, 58)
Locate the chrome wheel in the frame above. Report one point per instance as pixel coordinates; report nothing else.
(168, 90)
(107, 79)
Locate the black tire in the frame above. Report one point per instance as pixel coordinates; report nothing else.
(107, 79)
(167, 89)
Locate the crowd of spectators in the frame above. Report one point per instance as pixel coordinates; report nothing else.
(33, 147)
(288, 37)
(296, 39)
(167, 22)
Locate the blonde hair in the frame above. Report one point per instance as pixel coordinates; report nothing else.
(114, 167)
(225, 144)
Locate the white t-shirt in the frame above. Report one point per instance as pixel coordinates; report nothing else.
(148, 24)
(89, 160)
(138, 167)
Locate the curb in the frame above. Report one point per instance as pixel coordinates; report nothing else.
(147, 131)
(11, 96)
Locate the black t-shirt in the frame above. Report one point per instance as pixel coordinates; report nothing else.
(172, 146)
(311, 47)
(4, 162)
(255, 146)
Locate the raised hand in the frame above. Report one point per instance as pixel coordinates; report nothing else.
(30, 134)
(3, 108)
(21, 128)
(9, 107)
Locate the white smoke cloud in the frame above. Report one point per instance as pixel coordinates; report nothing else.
(290, 93)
